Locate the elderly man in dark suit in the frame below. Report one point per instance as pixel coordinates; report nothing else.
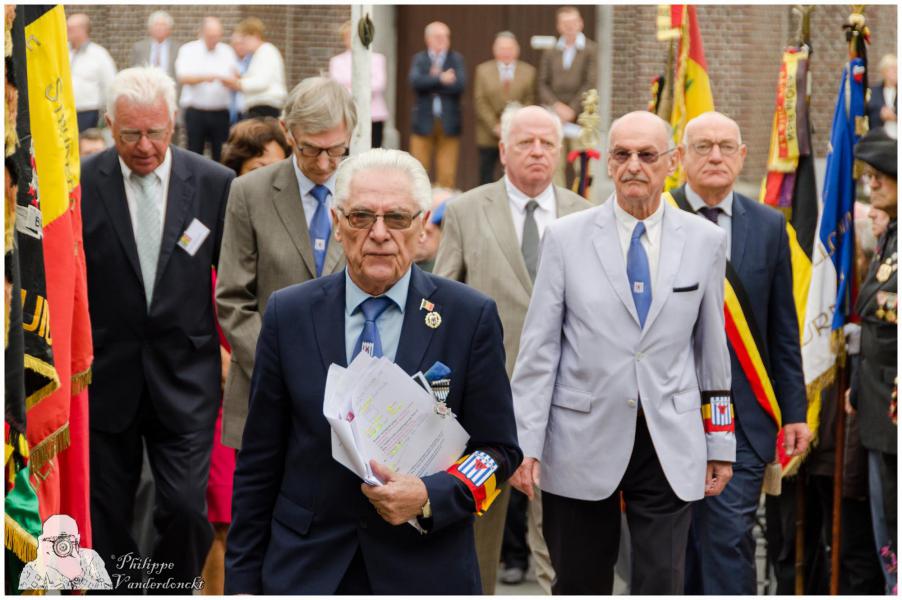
(301, 522)
(153, 220)
(760, 271)
(438, 78)
(883, 101)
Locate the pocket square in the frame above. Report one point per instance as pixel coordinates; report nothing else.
(687, 288)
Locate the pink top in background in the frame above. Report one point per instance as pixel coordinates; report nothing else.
(340, 71)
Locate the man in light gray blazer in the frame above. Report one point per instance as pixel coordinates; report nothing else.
(277, 230)
(623, 377)
(490, 241)
(157, 49)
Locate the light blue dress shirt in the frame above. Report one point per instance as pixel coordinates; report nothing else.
(437, 59)
(724, 219)
(389, 323)
(305, 185)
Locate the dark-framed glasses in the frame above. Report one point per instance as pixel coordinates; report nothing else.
(622, 155)
(131, 136)
(315, 151)
(705, 147)
(364, 219)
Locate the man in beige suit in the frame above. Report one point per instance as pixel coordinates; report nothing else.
(499, 81)
(490, 241)
(277, 230)
(566, 72)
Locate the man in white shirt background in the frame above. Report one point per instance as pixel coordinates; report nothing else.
(200, 68)
(92, 71)
(263, 82)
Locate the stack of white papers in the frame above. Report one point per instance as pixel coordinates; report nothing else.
(376, 411)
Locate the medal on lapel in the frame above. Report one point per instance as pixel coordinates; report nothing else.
(433, 319)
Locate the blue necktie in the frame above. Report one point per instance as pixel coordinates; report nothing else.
(369, 340)
(320, 227)
(638, 273)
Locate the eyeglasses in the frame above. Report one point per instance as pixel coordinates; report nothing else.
(315, 151)
(364, 219)
(130, 136)
(704, 147)
(622, 155)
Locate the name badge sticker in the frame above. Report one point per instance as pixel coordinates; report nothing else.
(194, 236)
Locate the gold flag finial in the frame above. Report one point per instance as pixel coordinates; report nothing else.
(589, 120)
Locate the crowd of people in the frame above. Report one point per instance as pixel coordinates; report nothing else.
(586, 344)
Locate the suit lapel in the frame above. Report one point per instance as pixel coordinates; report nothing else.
(498, 214)
(739, 233)
(113, 195)
(329, 323)
(607, 246)
(288, 205)
(672, 241)
(334, 255)
(415, 334)
(566, 204)
(181, 190)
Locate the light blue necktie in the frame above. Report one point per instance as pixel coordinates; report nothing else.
(638, 273)
(148, 226)
(369, 340)
(320, 226)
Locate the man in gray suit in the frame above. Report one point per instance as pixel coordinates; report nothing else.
(491, 241)
(277, 229)
(623, 379)
(157, 49)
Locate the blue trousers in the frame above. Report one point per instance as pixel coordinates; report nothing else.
(720, 558)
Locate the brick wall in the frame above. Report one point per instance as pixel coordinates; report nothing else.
(742, 45)
(743, 49)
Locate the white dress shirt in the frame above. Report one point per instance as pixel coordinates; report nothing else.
(194, 59)
(308, 201)
(724, 219)
(159, 53)
(133, 192)
(92, 70)
(506, 72)
(651, 241)
(263, 84)
(570, 51)
(544, 214)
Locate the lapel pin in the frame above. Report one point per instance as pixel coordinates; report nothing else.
(426, 304)
(433, 319)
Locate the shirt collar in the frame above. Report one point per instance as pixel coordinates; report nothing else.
(580, 42)
(519, 199)
(162, 171)
(629, 221)
(304, 184)
(437, 56)
(354, 296)
(696, 202)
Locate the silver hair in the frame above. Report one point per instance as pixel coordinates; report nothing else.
(668, 130)
(709, 113)
(379, 159)
(433, 25)
(318, 104)
(505, 35)
(511, 111)
(160, 15)
(886, 61)
(143, 86)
